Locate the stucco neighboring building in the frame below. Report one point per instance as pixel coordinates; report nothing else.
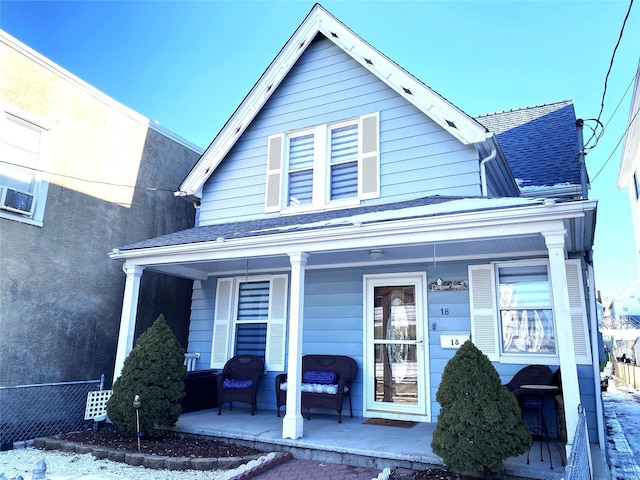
(79, 173)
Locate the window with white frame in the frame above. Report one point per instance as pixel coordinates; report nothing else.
(23, 186)
(525, 309)
(250, 318)
(513, 317)
(333, 164)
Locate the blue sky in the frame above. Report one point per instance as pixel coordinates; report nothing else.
(189, 64)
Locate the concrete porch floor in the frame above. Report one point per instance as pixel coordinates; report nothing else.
(357, 444)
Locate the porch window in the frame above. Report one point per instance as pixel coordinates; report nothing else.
(336, 165)
(250, 318)
(513, 318)
(525, 310)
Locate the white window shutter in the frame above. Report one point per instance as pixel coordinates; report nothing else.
(222, 323)
(369, 171)
(277, 329)
(578, 310)
(274, 173)
(484, 319)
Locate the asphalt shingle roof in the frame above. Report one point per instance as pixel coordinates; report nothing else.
(540, 143)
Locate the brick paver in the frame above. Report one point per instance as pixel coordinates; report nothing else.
(312, 470)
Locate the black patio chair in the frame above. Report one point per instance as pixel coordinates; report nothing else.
(239, 381)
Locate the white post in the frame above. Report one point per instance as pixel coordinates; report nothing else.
(128, 318)
(564, 330)
(292, 424)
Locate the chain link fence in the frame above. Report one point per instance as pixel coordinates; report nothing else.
(32, 411)
(579, 463)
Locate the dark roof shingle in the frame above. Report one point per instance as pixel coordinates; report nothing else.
(540, 143)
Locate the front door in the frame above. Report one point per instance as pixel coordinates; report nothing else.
(396, 383)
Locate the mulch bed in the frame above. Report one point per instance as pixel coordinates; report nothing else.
(170, 445)
(177, 445)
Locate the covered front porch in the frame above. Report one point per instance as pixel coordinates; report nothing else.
(354, 443)
(323, 278)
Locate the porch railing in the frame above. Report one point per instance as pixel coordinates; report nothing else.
(579, 466)
(32, 411)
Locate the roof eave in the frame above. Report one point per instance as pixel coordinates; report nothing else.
(582, 213)
(449, 117)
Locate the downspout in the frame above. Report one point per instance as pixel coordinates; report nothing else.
(595, 352)
(483, 171)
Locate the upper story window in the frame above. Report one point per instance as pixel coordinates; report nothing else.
(330, 165)
(23, 184)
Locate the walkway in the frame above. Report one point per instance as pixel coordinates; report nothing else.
(622, 413)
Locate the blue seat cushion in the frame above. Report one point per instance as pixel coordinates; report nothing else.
(233, 384)
(322, 377)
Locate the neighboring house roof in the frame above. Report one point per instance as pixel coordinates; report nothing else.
(546, 133)
(418, 208)
(319, 21)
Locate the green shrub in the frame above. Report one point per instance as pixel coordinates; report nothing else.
(480, 423)
(154, 370)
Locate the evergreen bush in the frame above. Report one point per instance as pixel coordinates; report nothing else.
(154, 370)
(480, 423)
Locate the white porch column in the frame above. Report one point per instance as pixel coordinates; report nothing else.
(292, 424)
(128, 317)
(564, 330)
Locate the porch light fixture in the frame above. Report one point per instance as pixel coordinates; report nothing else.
(376, 254)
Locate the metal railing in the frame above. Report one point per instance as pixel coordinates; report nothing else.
(32, 411)
(579, 462)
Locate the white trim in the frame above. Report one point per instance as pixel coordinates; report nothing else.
(463, 226)
(466, 129)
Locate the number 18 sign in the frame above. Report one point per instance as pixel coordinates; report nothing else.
(453, 339)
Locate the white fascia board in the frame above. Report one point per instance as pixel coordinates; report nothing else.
(466, 129)
(467, 226)
(251, 105)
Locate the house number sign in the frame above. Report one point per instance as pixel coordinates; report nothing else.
(453, 339)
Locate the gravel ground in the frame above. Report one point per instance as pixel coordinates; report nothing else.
(74, 466)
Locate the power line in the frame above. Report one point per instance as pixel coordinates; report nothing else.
(606, 79)
(617, 145)
(98, 182)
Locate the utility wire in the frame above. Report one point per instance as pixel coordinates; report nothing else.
(99, 182)
(617, 145)
(606, 79)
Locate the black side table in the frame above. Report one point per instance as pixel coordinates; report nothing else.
(537, 396)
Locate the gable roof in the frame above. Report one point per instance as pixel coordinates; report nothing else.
(320, 21)
(547, 133)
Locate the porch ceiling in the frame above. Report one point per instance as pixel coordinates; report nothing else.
(428, 252)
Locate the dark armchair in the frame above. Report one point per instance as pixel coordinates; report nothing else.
(239, 380)
(529, 375)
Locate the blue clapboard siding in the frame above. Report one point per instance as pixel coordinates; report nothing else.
(418, 158)
(333, 324)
